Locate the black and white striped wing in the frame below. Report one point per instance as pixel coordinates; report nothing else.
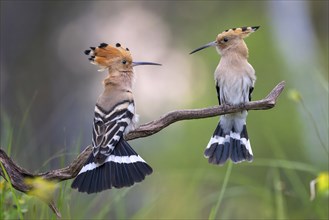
(113, 163)
(109, 128)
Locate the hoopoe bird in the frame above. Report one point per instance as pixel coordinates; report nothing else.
(234, 79)
(113, 162)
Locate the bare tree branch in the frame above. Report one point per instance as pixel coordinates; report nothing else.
(18, 174)
(155, 126)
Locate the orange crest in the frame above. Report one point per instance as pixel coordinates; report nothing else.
(238, 32)
(105, 55)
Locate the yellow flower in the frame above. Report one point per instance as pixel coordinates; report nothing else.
(294, 95)
(41, 188)
(322, 182)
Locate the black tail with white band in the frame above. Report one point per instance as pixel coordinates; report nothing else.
(230, 140)
(122, 168)
(113, 163)
(235, 79)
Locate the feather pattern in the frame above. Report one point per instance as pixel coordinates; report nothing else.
(113, 162)
(123, 168)
(109, 126)
(235, 79)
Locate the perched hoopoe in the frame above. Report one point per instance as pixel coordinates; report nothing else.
(113, 162)
(235, 79)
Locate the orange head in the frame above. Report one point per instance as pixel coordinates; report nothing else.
(230, 39)
(115, 58)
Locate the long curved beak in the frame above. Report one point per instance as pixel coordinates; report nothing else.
(211, 44)
(145, 63)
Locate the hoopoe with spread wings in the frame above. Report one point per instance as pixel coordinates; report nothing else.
(235, 79)
(113, 163)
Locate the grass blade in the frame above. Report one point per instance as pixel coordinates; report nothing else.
(215, 208)
(13, 192)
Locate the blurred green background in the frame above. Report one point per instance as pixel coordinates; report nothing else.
(48, 91)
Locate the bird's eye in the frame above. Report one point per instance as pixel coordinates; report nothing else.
(225, 39)
(124, 61)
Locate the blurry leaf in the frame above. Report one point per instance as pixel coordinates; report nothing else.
(294, 95)
(41, 188)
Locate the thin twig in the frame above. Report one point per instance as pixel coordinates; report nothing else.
(18, 174)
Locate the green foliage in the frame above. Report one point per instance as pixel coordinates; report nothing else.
(10, 202)
(216, 207)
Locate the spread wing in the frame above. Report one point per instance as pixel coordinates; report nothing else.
(109, 127)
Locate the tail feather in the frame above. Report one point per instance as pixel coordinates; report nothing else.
(123, 168)
(233, 145)
(234, 154)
